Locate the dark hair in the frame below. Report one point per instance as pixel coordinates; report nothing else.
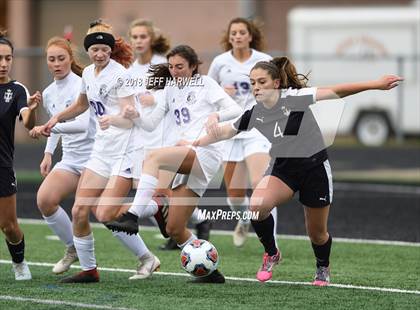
(161, 72)
(122, 52)
(254, 29)
(63, 43)
(159, 42)
(283, 69)
(5, 40)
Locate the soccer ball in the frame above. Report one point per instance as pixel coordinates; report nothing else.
(199, 258)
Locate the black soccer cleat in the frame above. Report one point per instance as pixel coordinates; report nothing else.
(128, 223)
(161, 215)
(89, 276)
(169, 245)
(215, 277)
(203, 230)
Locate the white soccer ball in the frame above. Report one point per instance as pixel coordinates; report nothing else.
(199, 258)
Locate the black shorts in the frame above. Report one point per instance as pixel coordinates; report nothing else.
(314, 185)
(8, 184)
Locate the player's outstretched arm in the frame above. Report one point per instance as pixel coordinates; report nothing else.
(342, 90)
(225, 132)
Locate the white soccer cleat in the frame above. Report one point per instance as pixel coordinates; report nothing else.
(22, 271)
(63, 265)
(149, 263)
(240, 233)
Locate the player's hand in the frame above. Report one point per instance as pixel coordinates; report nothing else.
(49, 125)
(34, 101)
(230, 90)
(147, 100)
(388, 82)
(45, 166)
(36, 132)
(130, 112)
(212, 125)
(105, 121)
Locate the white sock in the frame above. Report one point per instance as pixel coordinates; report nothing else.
(274, 214)
(145, 190)
(195, 219)
(241, 207)
(134, 243)
(149, 210)
(60, 224)
(85, 247)
(191, 238)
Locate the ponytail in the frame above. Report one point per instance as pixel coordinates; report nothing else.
(160, 75)
(283, 69)
(5, 40)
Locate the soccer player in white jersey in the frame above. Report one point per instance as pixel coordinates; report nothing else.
(77, 137)
(13, 103)
(107, 175)
(246, 155)
(196, 103)
(149, 45)
(299, 157)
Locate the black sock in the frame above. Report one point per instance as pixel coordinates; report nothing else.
(17, 251)
(322, 253)
(264, 230)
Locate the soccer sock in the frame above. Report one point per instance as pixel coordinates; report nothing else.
(145, 190)
(240, 207)
(85, 247)
(60, 224)
(322, 253)
(17, 250)
(191, 238)
(195, 218)
(264, 230)
(134, 243)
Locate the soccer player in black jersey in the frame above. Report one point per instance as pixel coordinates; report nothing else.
(299, 158)
(13, 102)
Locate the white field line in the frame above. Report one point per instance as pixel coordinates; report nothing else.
(345, 286)
(60, 303)
(284, 237)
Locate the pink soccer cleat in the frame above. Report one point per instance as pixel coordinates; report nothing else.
(322, 276)
(265, 272)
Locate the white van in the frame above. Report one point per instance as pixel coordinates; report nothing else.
(340, 45)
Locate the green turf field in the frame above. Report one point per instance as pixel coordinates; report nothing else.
(362, 266)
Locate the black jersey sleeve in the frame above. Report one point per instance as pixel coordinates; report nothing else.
(244, 122)
(21, 99)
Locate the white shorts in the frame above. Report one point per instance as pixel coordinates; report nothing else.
(210, 159)
(72, 162)
(130, 165)
(240, 148)
(104, 165)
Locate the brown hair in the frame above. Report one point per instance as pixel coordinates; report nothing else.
(5, 40)
(283, 69)
(76, 67)
(159, 42)
(254, 29)
(161, 72)
(122, 52)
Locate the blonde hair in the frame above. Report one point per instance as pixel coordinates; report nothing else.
(159, 42)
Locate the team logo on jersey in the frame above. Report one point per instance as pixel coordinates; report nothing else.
(191, 98)
(285, 111)
(102, 90)
(8, 95)
(277, 131)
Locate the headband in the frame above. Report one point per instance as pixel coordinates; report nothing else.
(99, 38)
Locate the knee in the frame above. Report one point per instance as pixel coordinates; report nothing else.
(10, 228)
(236, 195)
(150, 156)
(262, 208)
(104, 216)
(47, 204)
(80, 213)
